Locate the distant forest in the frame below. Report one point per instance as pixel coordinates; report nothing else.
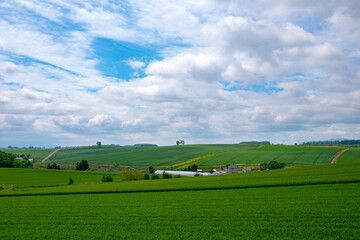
(341, 142)
(256, 142)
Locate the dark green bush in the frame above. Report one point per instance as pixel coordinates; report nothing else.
(53, 166)
(146, 176)
(155, 176)
(83, 165)
(107, 178)
(271, 165)
(166, 175)
(177, 176)
(71, 181)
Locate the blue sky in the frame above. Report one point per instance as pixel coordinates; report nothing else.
(125, 72)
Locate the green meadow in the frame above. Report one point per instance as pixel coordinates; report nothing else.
(35, 177)
(306, 202)
(90, 182)
(300, 212)
(203, 155)
(287, 154)
(141, 156)
(351, 155)
(36, 154)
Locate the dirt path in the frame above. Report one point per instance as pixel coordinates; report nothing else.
(337, 155)
(49, 156)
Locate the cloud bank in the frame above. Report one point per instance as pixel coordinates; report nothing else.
(207, 72)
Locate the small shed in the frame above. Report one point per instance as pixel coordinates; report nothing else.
(246, 169)
(232, 169)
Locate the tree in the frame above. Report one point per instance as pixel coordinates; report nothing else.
(6, 159)
(271, 165)
(53, 166)
(83, 165)
(151, 169)
(98, 144)
(194, 168)
(178, 143)
(182, 142)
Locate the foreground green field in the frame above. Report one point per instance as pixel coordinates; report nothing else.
(34, 177)
(302, 212)
(319, 174)
(203, 155)
(36, 154)
(287, 154)
(141, 156)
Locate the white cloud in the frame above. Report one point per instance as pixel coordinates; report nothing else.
(7, 67)
(231, 71)
(136, 64)
(34, 95)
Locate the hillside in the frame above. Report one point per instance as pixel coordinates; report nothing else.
(202, 154)
(142, 156)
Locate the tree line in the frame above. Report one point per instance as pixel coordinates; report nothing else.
(8, 160)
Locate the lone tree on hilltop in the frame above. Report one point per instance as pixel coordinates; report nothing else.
(98, 144)
(182, 142)
(178, 143)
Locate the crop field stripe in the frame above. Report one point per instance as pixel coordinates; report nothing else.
(187, 189)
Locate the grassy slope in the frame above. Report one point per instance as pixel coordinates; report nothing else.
(36, 154)
(320, 174)
(141, 156)
(25, 177)
(303, 212)
(287, 154)
(351, 155)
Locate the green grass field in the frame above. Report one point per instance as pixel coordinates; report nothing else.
(34, 177)
(35, 154)
(207, 154)
(318, 174)
(141, 156)
(287, 154)
(302, 212)
(351, 155)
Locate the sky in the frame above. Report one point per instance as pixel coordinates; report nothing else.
(157, 71)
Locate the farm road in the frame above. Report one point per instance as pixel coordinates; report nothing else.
(337, 155)
(48, 156)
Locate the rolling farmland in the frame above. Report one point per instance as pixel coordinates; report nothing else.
(353, 154)
(34, 177)
(142, 156)
(302, 212)
(287, 154)
(306, 175)
(207, 154)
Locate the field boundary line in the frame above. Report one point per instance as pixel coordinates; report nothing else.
(337, 155)
(186, 189)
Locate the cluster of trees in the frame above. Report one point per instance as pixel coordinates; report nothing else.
(83, 165)
(256, 142)
(182, 142)
(53, 166)
(191, 168)
(8, 160)
(271, 165)
(343, 142)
